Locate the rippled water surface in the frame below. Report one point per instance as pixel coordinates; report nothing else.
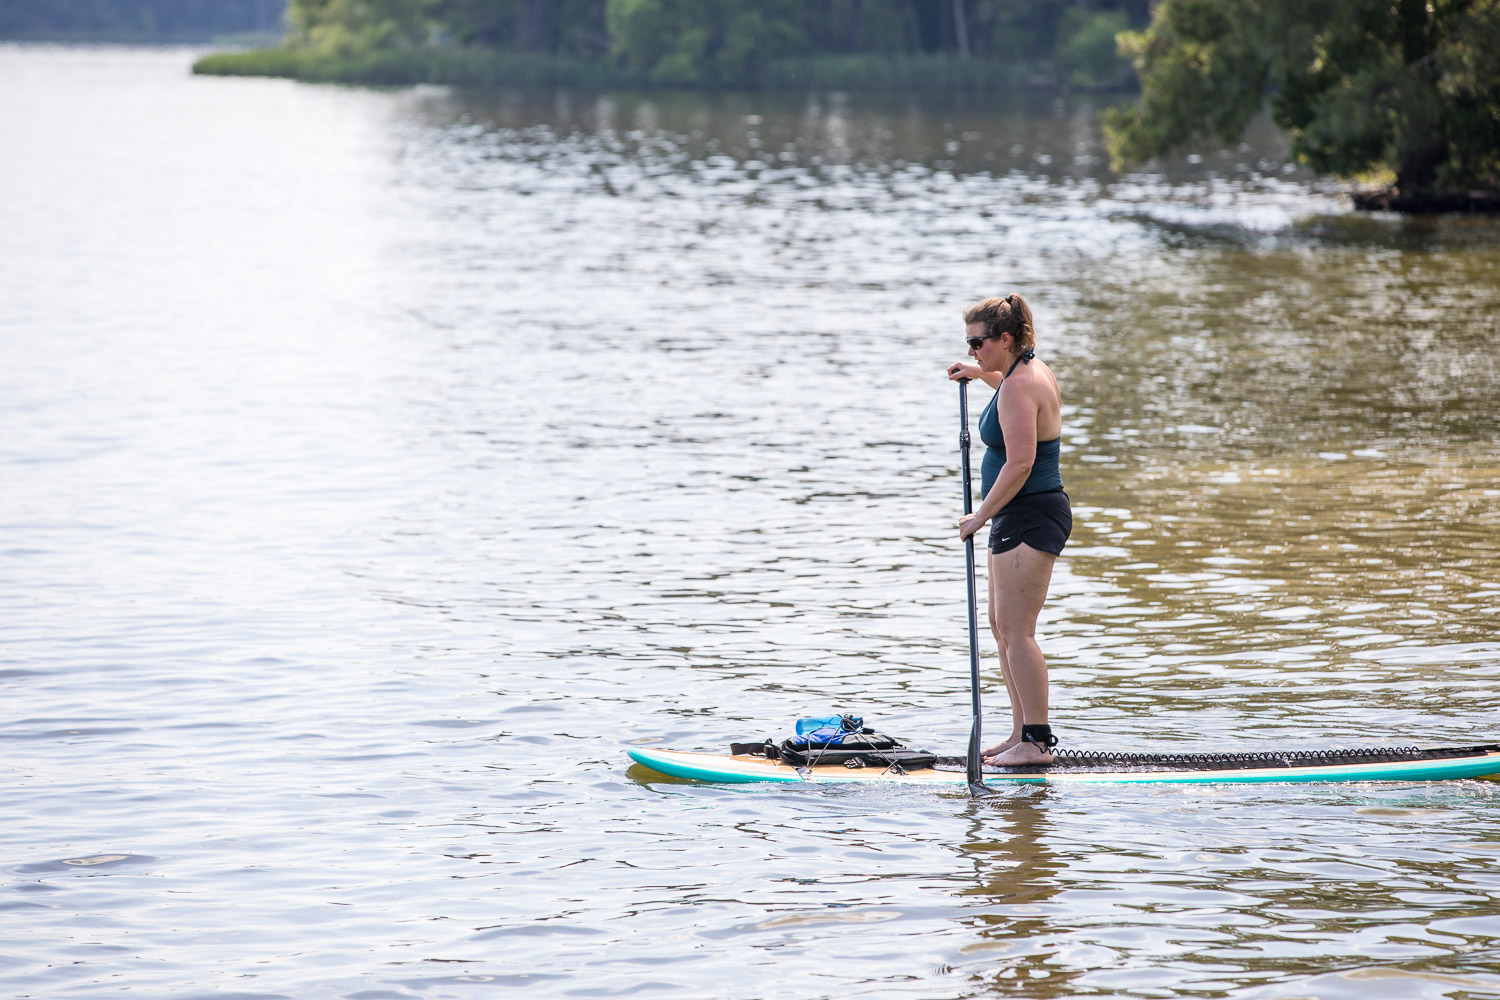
(377, 466)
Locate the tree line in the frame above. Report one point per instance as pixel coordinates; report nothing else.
(139, 20)
(731, 42)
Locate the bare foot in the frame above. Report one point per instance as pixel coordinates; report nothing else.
(1022, 754)
(999, 748)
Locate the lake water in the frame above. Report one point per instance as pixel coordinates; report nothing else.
(376, 466)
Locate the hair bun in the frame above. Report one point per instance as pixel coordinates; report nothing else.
(1000, 316)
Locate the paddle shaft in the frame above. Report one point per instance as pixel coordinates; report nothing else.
(971, 761)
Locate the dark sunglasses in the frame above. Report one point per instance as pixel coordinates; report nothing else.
(974, 342)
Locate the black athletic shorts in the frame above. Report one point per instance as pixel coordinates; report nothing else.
(1042, 520)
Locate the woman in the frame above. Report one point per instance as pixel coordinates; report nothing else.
(1022, 489)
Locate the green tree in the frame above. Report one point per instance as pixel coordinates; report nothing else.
(1086, 50)
(849, 26)
(1406, 86)
(559, 27)
(349, 27)
(686, 42)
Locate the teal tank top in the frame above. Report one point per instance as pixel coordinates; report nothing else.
(1046, 470)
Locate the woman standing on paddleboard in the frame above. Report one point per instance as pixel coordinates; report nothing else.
(1022, 488)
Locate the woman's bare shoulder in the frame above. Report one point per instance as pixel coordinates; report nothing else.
(1035, 376)
(1035, 392)
(1045, 375)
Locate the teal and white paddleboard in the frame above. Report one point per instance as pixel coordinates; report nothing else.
(1380, 764)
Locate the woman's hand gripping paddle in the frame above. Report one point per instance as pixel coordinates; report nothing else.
(971, 762)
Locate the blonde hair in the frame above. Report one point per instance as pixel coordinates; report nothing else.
(1008, 315)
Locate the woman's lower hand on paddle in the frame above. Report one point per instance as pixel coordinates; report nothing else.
(968, 524)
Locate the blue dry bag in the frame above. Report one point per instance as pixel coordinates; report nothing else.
(834, 724)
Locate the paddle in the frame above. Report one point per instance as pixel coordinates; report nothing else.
(971, 762)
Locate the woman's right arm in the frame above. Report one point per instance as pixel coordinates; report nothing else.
(960, 369)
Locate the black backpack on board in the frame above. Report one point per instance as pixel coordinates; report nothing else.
(849, 743)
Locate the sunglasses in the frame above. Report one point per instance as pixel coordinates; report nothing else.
(974, 342)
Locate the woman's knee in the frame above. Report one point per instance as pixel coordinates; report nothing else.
(1009, 631)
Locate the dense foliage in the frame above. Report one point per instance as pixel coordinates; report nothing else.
(1409, 88)
(138, 20)
(341, 28)
(737, 42)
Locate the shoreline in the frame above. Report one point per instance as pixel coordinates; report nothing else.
(490, 67)
(1390, 199)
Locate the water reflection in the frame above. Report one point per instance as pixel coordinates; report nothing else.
(1016, 879)
(832, 151)
(1207, 900)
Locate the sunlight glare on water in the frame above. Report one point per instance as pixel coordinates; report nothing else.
(378, 465)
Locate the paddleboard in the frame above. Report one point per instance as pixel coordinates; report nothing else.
(1378, 764)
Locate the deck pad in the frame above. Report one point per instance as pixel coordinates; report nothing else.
(1374, 764)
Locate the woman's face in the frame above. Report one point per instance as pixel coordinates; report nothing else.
(990, 354)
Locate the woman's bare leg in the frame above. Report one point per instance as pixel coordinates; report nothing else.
(1018, 587)
(1010, 687)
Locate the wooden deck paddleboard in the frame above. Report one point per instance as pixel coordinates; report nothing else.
(1378, 764)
